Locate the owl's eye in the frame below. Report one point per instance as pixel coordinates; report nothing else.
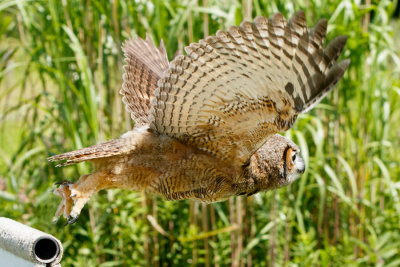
(294, 157)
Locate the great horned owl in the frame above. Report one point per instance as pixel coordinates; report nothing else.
(207, 122)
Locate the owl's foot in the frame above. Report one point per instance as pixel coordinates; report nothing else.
(75, 196)
(72, 201)
(65, 207)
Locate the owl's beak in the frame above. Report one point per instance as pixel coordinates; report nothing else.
(302, 169)
(301, 166)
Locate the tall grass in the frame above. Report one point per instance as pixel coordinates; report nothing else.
(60, 73)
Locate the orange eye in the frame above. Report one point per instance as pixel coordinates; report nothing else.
(287, 154)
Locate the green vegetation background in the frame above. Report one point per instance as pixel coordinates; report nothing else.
(60, 73)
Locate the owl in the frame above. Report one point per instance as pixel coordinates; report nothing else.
(207, 123)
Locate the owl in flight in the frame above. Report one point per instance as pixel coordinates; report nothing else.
(206, 123)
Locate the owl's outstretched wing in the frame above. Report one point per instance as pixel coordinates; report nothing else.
(145, 65)
(234, 90)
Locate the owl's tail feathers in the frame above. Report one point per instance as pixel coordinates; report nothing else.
(323, 82)
(107, 149)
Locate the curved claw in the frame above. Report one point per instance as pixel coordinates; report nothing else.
(64, 182)
(71, 220)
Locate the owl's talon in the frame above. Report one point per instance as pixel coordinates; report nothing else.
(64, 182)
(71, 219)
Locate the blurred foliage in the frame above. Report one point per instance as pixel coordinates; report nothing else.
(60, 73)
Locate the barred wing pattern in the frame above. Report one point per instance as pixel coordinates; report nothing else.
(110, 148)
(234, 90)
(145, 65)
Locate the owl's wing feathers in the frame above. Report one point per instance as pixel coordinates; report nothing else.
(234, 90)
(145, 64)
(110, 148)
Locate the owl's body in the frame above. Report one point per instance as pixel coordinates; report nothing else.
(207, 123)
(164, 166)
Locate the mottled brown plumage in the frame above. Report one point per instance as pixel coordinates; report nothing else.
(207, 123)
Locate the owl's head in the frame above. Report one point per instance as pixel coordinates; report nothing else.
(277, 163)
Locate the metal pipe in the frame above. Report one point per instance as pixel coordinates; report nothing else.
(29, 243)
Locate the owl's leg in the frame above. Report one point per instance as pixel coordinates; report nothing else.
(76, 195)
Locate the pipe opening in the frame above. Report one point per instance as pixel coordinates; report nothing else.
(45, 250)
